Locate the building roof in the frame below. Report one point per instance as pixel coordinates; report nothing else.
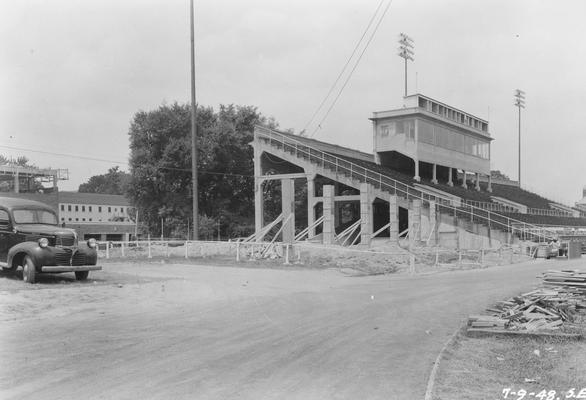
(93, 198)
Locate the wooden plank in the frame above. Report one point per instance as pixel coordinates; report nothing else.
(480, 332)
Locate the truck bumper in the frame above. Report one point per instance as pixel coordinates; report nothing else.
(66, 268)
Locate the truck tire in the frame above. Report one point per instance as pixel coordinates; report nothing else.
(29, 272)
(81, 275)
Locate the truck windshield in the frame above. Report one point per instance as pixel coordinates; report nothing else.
(34, 217)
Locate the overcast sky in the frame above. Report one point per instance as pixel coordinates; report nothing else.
(73, 73)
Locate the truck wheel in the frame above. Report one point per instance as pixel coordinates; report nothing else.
(81, 275)
(29, 273)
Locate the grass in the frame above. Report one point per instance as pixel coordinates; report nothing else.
(481, 368)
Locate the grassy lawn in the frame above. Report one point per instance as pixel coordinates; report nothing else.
(482, 368)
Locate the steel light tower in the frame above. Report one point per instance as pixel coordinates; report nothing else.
(519, 103)
(406, 52)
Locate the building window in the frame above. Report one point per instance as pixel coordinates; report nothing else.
(121, 209)
(76, 208)
(62, 219)
(69, 207)
(109, 209)
(90, 208)
(99, 208)
(90, 220)
(70, 219)
(62, 207)
(77, 219)
(83, 219)
(83, 208)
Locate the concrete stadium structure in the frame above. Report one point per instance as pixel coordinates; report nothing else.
(416, 182)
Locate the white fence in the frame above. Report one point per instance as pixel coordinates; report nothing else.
(314, 254)
(164, 249)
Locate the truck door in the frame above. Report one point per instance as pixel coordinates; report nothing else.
(5, 233)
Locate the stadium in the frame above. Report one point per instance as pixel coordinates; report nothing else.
(428, 179)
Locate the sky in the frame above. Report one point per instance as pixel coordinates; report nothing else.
(74, 73)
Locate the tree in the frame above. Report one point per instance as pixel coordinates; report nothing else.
(21, 161)
(112, 182)
(160, 167)
(499, 175)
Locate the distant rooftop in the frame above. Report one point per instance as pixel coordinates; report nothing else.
(93, 198)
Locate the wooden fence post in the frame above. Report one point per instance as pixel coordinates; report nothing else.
(149, 246)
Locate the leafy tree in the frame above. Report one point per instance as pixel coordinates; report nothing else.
(499, 175)
(112, 182)
(160, 167)
(21, 161)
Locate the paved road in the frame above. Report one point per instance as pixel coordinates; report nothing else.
(186, 332)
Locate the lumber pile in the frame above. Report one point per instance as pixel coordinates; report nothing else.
(562, 296)
(566, 281)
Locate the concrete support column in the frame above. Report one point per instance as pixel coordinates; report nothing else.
(415, 220)
(16, 181)
(288, 209)
(489, 189)
(450, 182)
(417, 177)
(477, 186)
(464, 184)
(434, 180)
(393, 218)
(433, 228)
(329, 229)
(258, 195)
(366, 223)
(310, 205)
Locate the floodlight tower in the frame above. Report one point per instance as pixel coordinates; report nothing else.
(406, 52)
(519, 103)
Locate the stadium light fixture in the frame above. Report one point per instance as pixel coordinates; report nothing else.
(519, 103)
(406, 51)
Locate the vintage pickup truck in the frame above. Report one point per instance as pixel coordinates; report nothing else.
(31, 238)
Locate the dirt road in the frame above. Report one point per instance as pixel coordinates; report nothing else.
(192, 332)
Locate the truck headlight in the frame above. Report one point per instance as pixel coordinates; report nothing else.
(92, 243)
(43, 242)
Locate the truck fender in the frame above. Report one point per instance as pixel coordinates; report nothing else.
(18, 252)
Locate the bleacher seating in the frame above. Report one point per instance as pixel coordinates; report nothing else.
(499, 220)
(522, 196)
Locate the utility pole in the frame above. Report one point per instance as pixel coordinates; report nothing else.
(519, 103)
(406, 52)
(193, 129)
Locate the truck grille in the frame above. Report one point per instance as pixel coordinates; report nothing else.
(78, 259)
(63, 256)
(65, 240)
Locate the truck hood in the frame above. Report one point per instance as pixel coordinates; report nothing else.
(40, 229)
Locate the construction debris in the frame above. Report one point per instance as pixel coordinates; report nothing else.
(567, 281)
(562, 296)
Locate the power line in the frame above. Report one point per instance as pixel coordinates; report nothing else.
(353, 69)
(345, 66)
(120, 162)
(63, 155)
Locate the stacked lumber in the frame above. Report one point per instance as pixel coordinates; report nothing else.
(566, 281)
(540, 309)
